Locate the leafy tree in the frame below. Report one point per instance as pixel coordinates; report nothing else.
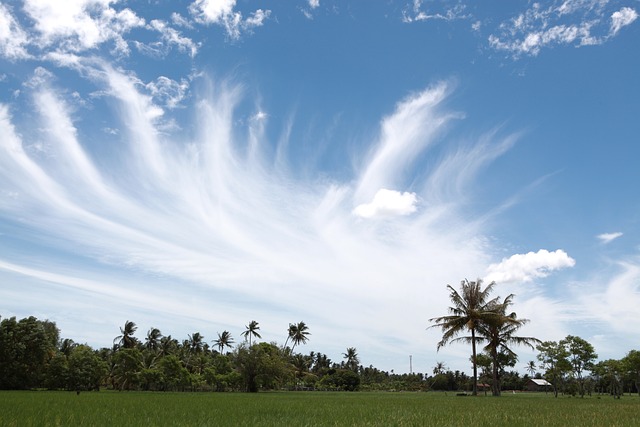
(341, 379)
(499, 331)
(224, 340)
(26, 346)
(631, 364)
(260, 365)
(471, 307)
(126, 338)
(174, 374)
(127, 363)
(351, 359)
(86, 369)
(581, 355)
(251, 331)
(553, 357)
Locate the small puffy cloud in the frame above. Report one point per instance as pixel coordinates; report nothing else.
(169, 92)
(212, 11)
(622, 18)
(529, 266)
(387, 203)
(608, 237)
(13, 38)
(221, 12)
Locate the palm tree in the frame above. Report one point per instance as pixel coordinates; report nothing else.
(224, 340)
(471, 307)
(126, 338)
(290, 333)
(300, 335)
(531, 368)
(252, 330)
(195, 342)
(499, 333)
(152, 341)
(351, 357)
(440, 368)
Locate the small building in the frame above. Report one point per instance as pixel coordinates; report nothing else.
(538, 384)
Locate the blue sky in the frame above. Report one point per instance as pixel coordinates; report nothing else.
(193, 166)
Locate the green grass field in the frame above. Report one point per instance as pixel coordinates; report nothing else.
(48, 408)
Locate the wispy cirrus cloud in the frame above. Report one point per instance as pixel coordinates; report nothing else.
(212, 213)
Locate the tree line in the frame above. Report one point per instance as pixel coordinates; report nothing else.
(33, 355)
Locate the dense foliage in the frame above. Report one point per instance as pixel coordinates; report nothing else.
(32, 355)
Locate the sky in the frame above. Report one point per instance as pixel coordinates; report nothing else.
(195, 165)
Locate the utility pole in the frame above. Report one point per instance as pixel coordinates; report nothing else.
(410, 365)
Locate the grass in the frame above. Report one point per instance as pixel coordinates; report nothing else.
(21, 408)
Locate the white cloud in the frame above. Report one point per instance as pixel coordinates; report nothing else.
(219, 222)
(529, 266)
(173, 37)
(388, 203)
(445, 12)
(168, 91)
(77, 25)
(570, 22)
(13, 39)
(212, 11)
(622, 18)
(221, 12)
(608, 237)
(314, 3)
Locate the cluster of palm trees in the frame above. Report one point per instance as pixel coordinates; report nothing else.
(474, 317)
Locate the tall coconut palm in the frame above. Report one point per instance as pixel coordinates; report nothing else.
(351, 359)
(251, 331)
(471, 307)
(290, 333)
(300, 335)
(126, 338)
(498, 331)
(224, 340)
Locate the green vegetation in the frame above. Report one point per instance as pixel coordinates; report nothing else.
(23, 408)
(33, 356)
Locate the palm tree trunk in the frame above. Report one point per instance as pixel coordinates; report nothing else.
(496, 380)
(474, 392)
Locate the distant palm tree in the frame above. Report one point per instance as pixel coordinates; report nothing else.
(224, 340)
(290, 333)
(196, 342)
(440, 368)
(531, 368)
(499, 333)
(251, 331)
(152, 341)
(300, 335)
(126, 338)
(351, 359)
(471, 307)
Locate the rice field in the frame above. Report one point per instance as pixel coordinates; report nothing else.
(106, 408)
